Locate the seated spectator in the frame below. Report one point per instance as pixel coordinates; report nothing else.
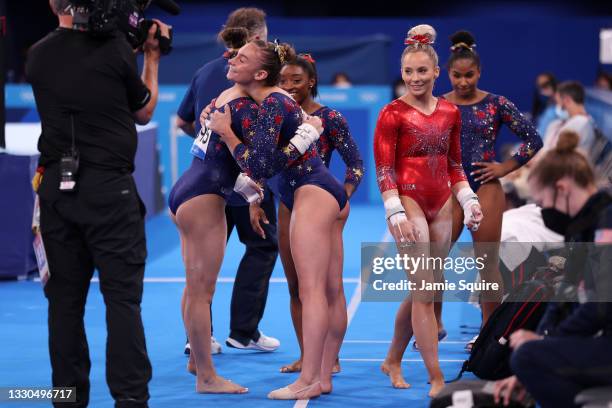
(544, 106)
(551, 130)
(570, 351)
(571, 99)
(341, 80)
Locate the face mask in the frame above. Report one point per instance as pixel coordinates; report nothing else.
(561, 113)
(556, 220)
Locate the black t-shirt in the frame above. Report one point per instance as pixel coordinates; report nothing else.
(594, 215)
(94, 80)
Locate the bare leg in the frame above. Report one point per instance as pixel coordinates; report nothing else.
(402, 333)
(457, 228)
(191, 365)
(440, 236)
(404, 329)
(203, 239)
(486, 240)
(284, 219)
(337, 305)
(312, 219)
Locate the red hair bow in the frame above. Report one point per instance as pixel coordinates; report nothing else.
(308, 58)
(418, 39)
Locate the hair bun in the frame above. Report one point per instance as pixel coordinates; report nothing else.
(567, 142)
(423, 34)
(462, 40)
(234, 37)
(463, 36)
(286, 53)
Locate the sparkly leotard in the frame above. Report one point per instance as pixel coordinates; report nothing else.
(217, 173)
(480, 125)
(336, 135)
(419, 154)
(269, 152)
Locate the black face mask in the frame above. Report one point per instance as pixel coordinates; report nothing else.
(556, 220)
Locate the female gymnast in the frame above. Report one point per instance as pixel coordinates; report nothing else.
(307, 188)
(418, 165)
(197, 202)
(299, 78)
(482, 116)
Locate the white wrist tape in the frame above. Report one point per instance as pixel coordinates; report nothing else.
(247, 188)
(467, 198)
(305, 135)
(393, 205)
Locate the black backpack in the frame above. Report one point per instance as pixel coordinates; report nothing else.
(523, 309)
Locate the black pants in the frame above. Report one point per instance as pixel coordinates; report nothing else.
(100, 226)
(555, 370)
(253, 276)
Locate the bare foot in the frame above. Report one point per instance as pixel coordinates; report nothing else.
(336, 367)
(326, 386)
(300, 393)
(294, 367)
(191, 366)
(219, 385)
(436, 387)
(394, 371)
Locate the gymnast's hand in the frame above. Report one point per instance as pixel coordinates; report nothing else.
(468, 200)
(473, 218)
(315, 121)
(404, 231)
(221, 122)
(490, 171)
(206, 113)
(257, 216)
(248, 189)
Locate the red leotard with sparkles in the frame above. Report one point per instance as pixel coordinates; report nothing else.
(419, 154)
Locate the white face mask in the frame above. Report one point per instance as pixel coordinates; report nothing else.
(561, 113)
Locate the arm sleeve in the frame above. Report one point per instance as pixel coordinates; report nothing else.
(521, 127)
(385, 144)
(265, 158)
(340, 136)
(586, 320)
(138, 95)
(605, 218)
(455, 168)
(186, 110)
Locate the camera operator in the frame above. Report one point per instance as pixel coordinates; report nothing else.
(89, 94)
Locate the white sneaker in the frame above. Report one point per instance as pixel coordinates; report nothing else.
(215, 347)
(264, 343)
